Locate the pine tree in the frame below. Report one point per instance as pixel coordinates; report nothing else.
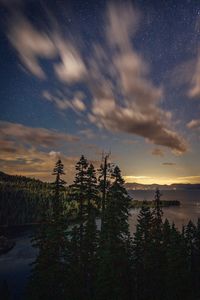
(196, 282)
(46, 280)
(104, 184)
(79, 194)
(90, 231)
(58, 186)
(176, 272)
(157, 251)
(113, 271)
(82, 192)
(141, 252)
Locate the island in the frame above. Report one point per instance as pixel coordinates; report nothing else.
(164, 203)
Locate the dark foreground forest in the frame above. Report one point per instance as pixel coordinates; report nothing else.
(86, 251)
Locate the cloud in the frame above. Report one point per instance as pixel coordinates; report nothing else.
(194, 91)
(157, 152)
(31, 44)
(32, 136)
(88, 133)
(21, 152)
(194, 124)
(34, 163)
(71, 68)
(168, 164)
(55, 154)
(125, 99)
(62, 103)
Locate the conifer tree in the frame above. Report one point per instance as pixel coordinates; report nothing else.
(176, 272)
(197, 260)
(104, 184)
(58, 186)
(90, 232)
(79, 194)
(113, 272)
(157, 251)
(46, 280)
(141, 252)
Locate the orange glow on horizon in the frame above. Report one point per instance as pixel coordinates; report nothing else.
(162, 180)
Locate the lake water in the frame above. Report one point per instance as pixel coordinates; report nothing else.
(15, 266)
(180, 215)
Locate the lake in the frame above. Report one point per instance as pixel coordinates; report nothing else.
(15, 265)
(180, 215)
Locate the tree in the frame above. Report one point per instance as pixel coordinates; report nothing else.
(46, 280)
(176, 271)
(157, 251)
(141, 252)
(90, 239)
(79, 194)
(58, 186)
(113, 271)
(104, 184)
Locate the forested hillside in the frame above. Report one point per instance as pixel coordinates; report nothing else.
(22, 198)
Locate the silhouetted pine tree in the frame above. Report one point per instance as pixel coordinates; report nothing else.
(141, 252)
(81, 238)
(79, 195)
(47, 280)
(196, 282)
(90, 239)
(58, 187)
(114, 269)
(156, 281)
(175, 268)
(104, 184)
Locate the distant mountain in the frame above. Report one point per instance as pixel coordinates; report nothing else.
(174, 186)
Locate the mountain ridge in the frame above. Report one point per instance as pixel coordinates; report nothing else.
(174, 186)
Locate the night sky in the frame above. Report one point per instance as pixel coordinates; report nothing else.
(82, 77)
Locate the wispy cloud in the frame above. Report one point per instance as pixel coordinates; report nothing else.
(31, 44)
(62, 102)
(157, 152)
(32, 136)
(194, 124)
(194, 91)
(35, 163)
(168, 164)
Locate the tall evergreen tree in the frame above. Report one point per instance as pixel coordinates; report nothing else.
(141, 253)
(196, 282)
(157, 251)
(79, 194)
(46, 280)
(113, 272)
(90, 231)
(59, 187)
(175, 267)
(104, 184)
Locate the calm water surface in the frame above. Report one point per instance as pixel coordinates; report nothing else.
(15, 266)
(180, 215)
